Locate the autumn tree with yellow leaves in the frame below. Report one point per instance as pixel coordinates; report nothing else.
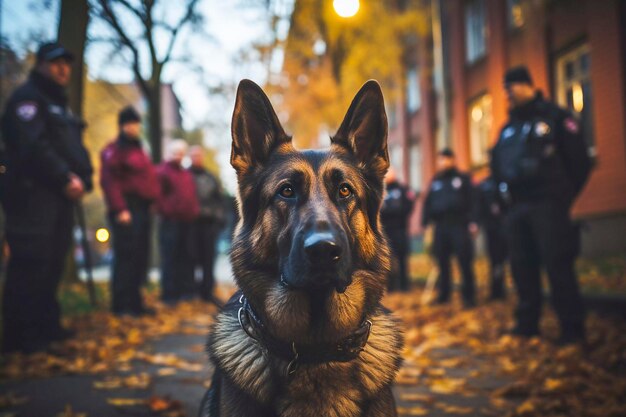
(327, 58)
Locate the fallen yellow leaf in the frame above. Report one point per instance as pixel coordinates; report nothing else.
(126, 402)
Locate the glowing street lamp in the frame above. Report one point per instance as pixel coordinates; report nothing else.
(102, 235)
(346, 8)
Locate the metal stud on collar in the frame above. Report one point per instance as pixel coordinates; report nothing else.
(240, 314)
(293, 365)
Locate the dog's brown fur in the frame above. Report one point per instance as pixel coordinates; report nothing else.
(251, 380)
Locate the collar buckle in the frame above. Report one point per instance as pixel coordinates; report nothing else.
(292, 367)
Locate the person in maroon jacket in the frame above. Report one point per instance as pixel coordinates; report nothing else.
(178, 207)
(130, 186)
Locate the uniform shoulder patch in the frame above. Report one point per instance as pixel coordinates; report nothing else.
(508, 132)
(26, 110)
(542, 128)
(571, 125)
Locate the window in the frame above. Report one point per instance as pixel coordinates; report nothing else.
(392, 116)
(515, 14)
(413, 97)
(475, 30)
(480, 120)
(573, 88)
(395, 156)
(415, 167)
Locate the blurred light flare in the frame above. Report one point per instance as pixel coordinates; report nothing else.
(102, 235)
(477, 114)
(346, 8)
(578, 97)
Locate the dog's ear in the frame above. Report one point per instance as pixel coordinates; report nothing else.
(255, 128)
(364, 129)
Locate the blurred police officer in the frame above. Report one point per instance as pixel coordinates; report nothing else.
(395, 214)
(48, 172)
(450, 206)
(207, 227)
(541, 164)
(130, 186)
(490, 216)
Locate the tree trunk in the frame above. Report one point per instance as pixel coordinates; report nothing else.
(155, 127)
(72, 33)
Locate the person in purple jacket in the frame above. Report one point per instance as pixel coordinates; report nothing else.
(130, 187)
(178, 208)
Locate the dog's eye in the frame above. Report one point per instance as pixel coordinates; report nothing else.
(344, 191)
(287, 191)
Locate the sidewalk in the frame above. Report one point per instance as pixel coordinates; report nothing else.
(174, 370)
(456, 362)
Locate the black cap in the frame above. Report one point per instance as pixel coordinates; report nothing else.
(447, 152)
(53, 50)
(518, 75)
(128, 115)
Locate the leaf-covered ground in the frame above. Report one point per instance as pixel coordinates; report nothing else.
(543, 380)
(601, 276)
(457, 362)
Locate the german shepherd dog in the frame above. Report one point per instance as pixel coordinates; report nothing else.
(306, 334)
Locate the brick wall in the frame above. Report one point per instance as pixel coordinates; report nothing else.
(545, 34)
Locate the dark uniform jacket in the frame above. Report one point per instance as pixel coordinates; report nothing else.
(489, 208)
(541, 153)
(43, 139)
(127, 172)
(209, 195)
(450, 198)
(397, 207)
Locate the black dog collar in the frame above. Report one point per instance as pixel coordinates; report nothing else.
(343, 351)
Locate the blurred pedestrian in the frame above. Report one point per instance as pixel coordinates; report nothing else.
(178, 208)
(490, 216)
(394, 215)
(207, 227)
(48, 171)
(130, 187)
(450, 206)
(541, 164)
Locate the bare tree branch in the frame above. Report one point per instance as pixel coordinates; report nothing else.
(112, 13)
(141, 16)
(149, 37)
(105, 39)
(189, 16)
(110, 17)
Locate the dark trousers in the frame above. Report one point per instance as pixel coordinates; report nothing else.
(203, 238)
(131, 250)
(454, 238)
(39, 233)
(497, 250)
(398, 242)
(176, 269)
(541, 233)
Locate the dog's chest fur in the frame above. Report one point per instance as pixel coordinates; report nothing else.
(332, 389)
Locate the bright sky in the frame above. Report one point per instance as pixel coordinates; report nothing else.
(230, 27)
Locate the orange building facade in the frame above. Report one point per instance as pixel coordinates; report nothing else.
(576, 53)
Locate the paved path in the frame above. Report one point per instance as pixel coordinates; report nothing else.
(51, 396)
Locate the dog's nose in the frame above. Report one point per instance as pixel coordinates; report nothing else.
(322, 247)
